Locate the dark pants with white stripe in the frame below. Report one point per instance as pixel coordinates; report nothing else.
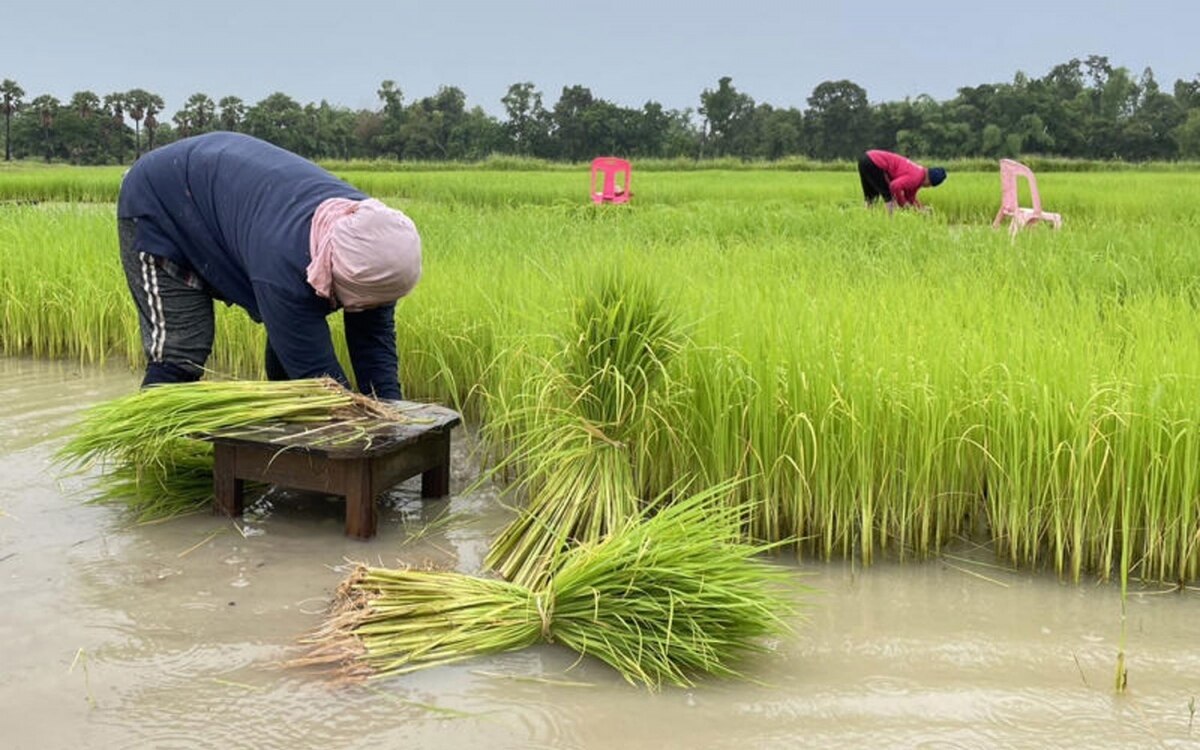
(175, 318)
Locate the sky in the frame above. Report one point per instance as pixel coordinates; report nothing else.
(629, 53)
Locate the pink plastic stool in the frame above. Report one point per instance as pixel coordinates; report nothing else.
(610, 192)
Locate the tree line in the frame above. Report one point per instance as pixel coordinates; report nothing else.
(1086, 109)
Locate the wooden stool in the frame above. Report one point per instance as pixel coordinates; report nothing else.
(357, 459)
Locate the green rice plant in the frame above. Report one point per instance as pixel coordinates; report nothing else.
(60, 294)
(39, 183)
(179, 482)
(883, 385)
(448, 358)
(665, 598)
(146, 441)
(584, 489)
(576, 441)
(624, 335)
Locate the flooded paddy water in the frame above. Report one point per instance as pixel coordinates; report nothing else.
(118, 635)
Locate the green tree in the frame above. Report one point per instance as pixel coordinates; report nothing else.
(650, 131)
(153, 107)
(331, 131)
(570, 125)
(46, 107)
(1187, 136)
(611, 129)
(938, 131)
(1187, 93)
(135, 102)
(10, 96)
(528, 124)
(85, 104)
(780, 132)
(891, 119)
(393, 99)
(839, 120)
(114, 105)
(198, 115)
(991, 142)
(279, 119)
(368, 133)
(680, 134)
(81, 132)
(430, 125)
(1063, 103)
(118, 132)
(337, 127)
(478, 136)
(726, 112)
(143, 106)
(233, 111)
(390, 139)
(1156, 115)
(971, 106)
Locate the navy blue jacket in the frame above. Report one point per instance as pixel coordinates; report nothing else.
(237, 211)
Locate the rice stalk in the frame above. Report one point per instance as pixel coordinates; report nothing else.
(145, 441)
(663, 599)
(588, 492)
(575, 440)
(924, 377)
(180, 482)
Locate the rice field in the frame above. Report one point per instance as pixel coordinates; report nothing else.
(870, 386)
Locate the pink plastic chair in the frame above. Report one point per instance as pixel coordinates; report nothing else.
(1009, 172)
(609, 167)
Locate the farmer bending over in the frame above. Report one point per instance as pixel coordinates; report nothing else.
(895, 179)
(229, 217)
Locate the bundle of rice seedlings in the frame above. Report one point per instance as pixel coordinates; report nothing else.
(179, 482)
(579, 488)
(624, 336)
(575, 442)
(143, 440)
(663, 599)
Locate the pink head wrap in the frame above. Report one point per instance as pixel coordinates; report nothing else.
(364, 254)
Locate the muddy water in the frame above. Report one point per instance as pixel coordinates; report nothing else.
(114, 635)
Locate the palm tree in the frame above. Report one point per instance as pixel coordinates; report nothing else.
(183, 124)
(143, 104)
(196, 116)
(83, 140)
(233, 111)
(201, 112)
(85, 103)
(11, 94)
(47, 107)
(114, 104)
(136, 101)
(154, 105)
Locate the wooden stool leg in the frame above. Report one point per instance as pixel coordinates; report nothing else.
(227, 488)
(436, 481)
(360, 501)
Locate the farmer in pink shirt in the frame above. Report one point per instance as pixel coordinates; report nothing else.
(895, 179)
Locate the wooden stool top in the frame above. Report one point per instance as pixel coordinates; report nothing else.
(352, 438)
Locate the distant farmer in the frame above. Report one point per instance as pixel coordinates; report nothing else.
(895, 179)
(229, 217)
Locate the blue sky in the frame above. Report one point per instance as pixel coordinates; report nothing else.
(629, 53)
